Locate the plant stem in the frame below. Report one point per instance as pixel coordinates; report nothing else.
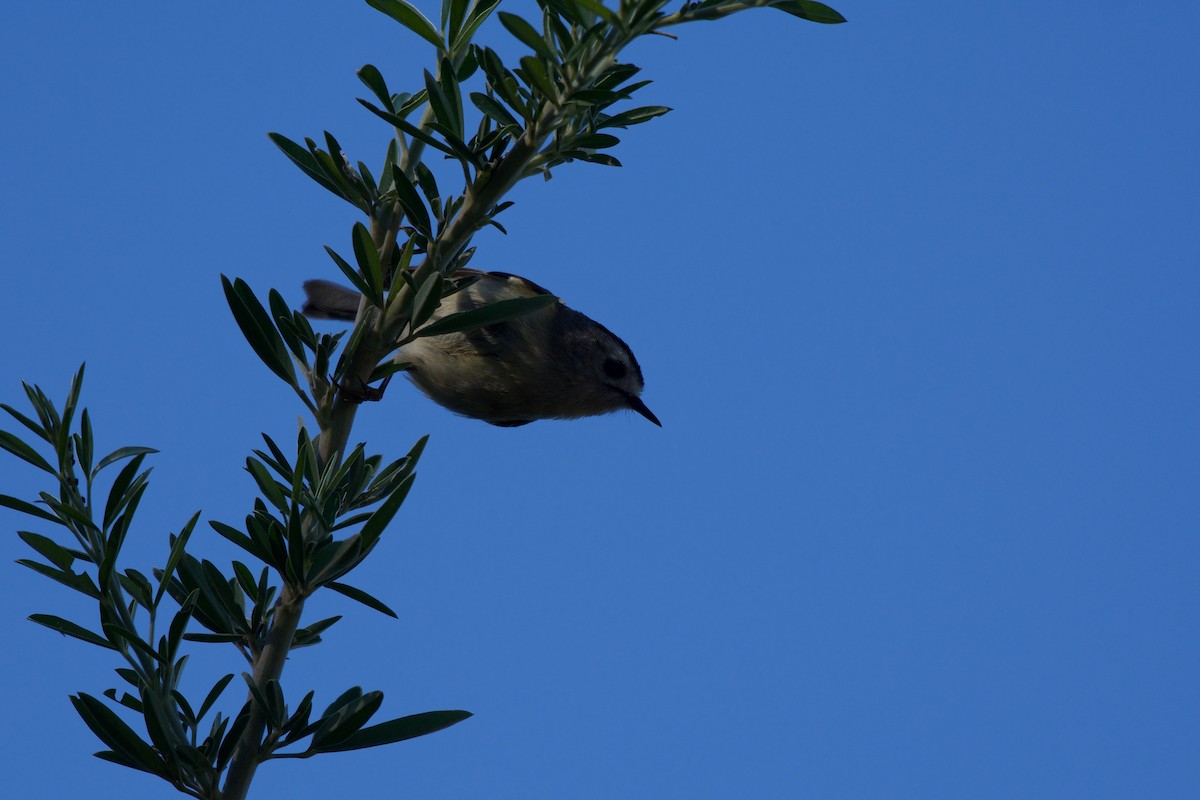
(268, 667)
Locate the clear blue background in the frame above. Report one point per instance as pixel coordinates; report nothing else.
(916, 298)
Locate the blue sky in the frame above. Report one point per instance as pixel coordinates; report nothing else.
(915, 298)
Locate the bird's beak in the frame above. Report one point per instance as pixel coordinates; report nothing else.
(637, 405)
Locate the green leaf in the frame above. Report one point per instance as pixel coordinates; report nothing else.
(809, 10)
(44, 408)
(390, 368)
(32, 425)
(113, 731)
(233, 736)
(380, 518)
(410, 18)
(311, 634)
(528, 36)
(410, 201)
(492, 107)
(123, 488)
(27, 508)
(344, 699)
(177, 550)
(367, 256)
(448, 82)
(24, 452)
(214, 638)
(241, 540)
(258, 329)
(504, 83)
(48, 549)
(333, 559)
(68, 628)
(373, 79)
(426, 182)
(443, 111)
(596, 98)
(306, 161)
(68, 413)
(398, 730)
(265, 697)
(427, 299)
(349, 271)
(334, 166)
(490, 314)
(537, 78)
(282, 316)
(453, 13)
(462, 152)
(126, 699)
(596, 141)
(178, 626)
(406, 126)
(84, 443)
(137, 586)
(599, 9)
(362, 597)
(598, 158)
(126, 508)
(79, 581)
(479, 13)
(348, 720)
(634, 116)
(68, 513)
(120, 635)
(120, 453)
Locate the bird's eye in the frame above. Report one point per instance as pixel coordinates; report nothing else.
(614, 368)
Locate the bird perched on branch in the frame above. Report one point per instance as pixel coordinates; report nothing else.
(552, 363)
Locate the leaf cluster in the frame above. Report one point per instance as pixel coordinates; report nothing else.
(295, 532)
(499, 123)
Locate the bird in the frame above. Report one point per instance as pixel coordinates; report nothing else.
(552, 363)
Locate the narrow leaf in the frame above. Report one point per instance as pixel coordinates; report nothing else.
(410, 201)
(305, 160)
(258, 328)
(48, 549)
(18, 448)
(27, 508)
(810, 10)
(492, 107)
(406, 126)
(525, 32)
(362, 597)
(79, 581)
(177, 549)
(113, 731)
(479, 13)
(380, 518)
(32, 425)
(634, 116)
(490, 314)
(398, 730)
(68, 628)
(373, 79)
(121, 453)
(367, 256)
(347, 721)
(410, 18)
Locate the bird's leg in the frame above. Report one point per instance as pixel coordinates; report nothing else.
(361, 394)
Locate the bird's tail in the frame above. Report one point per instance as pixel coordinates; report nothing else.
(326, 300)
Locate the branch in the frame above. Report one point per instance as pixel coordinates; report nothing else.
(269, 667)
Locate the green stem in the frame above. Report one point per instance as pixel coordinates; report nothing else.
(268, 667)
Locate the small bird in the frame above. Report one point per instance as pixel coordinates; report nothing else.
(553, 363)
